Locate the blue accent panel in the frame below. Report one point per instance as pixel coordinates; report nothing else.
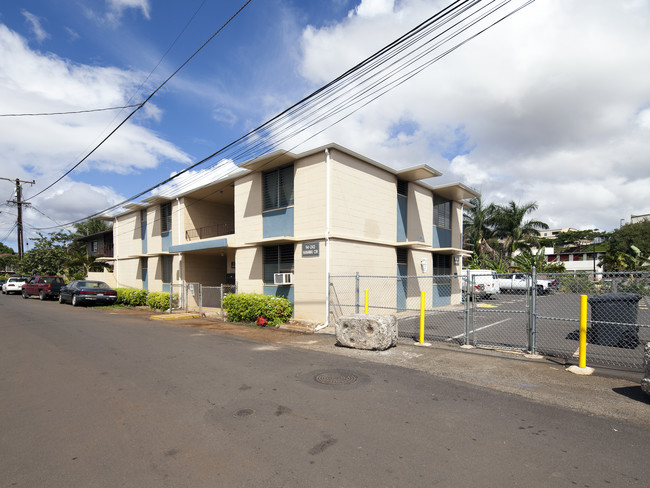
(402, 284)
(145, 279)
(198, 245)
(278, 223)
(441, 295)
(166, 241)
(441, 237)
(144, 238)
(285, 291)
(402, 204)
(166, 287)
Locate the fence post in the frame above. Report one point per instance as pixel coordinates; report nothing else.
(533, 313)
(582, 350)
(223, 312)
(422, 301)
(201, 299)
(356, 294)
(467, 309)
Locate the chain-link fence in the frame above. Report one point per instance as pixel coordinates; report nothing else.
(528, 312)
(196, 297)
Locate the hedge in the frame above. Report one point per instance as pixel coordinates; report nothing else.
(247, 307)
(131, 297)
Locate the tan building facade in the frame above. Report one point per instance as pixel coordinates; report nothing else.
(284, 222)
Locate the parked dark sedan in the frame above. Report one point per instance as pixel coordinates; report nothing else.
(85, 292)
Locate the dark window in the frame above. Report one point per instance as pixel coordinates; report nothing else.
(167, 269)
(402, 187)
(441, 212)
(402, 256)
(277, 188)
(277, 259)
(93, 246)
(166, 217)
(144, 263)
(441, 264)
(143, 224)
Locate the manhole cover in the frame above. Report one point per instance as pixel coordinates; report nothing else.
(244, 412)
(336, 378)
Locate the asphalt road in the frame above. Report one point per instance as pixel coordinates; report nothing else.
(94, 399)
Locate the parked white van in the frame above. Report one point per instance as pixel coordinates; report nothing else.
(485, 282)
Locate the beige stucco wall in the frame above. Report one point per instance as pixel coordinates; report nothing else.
(106, 276)
(202, 213)
(209, 270)
(248, 209)
(349, 257)
(363, 200)
(126, 235)
(129, 274)
(310, 196)
(419, 218)
(250, 270)
(310, 285)
(456, 225)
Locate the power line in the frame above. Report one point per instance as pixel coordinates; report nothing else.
(72, 112)
(375, 76)
(139, 106)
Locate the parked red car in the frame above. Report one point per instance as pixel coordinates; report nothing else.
(43, 286)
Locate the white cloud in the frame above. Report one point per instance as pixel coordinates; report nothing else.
(44, 147)
(35, 23)
(550, 105)
(373, 8)
(117, 7)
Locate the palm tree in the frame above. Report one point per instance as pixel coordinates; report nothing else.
(477, 226)
(510, 226)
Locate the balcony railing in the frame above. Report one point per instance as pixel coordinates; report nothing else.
(210, 231)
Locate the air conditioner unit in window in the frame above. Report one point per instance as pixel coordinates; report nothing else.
(283, 278)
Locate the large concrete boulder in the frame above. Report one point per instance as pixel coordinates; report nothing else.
(645, 382)
(371, 332)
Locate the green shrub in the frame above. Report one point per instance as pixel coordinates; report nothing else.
(247, 307)
(131, 297)
(159, 300)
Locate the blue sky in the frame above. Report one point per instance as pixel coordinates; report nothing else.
(550, 106)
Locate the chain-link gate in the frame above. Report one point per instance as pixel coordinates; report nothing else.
(510, 324)
(539, 314)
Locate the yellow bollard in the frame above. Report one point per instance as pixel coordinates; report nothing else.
(365, 299)
(421, 317)
(582, 349)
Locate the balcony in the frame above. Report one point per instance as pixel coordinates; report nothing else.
(210, 231)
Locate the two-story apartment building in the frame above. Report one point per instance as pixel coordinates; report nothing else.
(283, 222)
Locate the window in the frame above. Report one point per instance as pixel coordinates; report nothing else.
(277, 188)
(403, 188)
(441, 212)
(441, 264)
(93, 247)
(166, 217)
(402, 256)
(167, 269)
(143, 224)
(277, 259)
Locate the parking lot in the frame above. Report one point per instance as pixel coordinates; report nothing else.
(504, 321)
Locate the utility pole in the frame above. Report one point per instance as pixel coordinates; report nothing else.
(19, 222)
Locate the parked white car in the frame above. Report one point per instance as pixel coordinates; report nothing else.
(485, 282)
(13, 285)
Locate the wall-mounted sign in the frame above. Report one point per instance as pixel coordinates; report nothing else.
(310, 249)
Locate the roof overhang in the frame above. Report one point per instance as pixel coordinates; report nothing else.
(202, 245)
(455, 191)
